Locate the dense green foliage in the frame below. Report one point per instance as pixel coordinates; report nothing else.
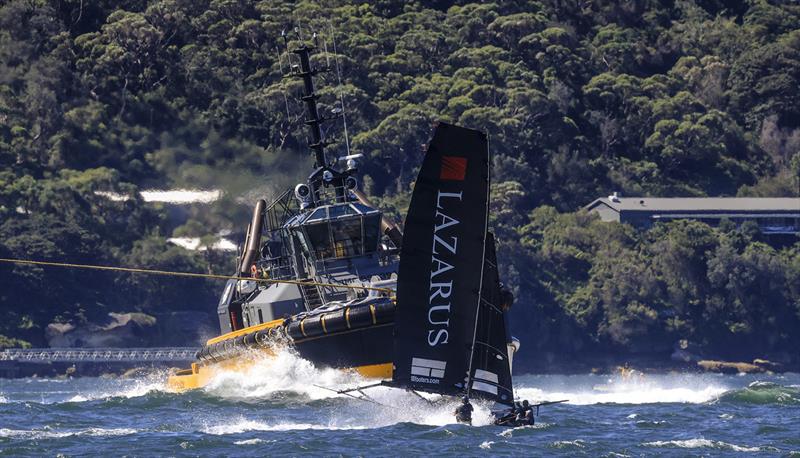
(646, 97)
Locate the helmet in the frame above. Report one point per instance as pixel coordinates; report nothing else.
(525, 403)
(465, 399)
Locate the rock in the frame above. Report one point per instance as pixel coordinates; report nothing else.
(726, 367)
(122, 330)
(186, 328)
(769, 365)
(137, 372)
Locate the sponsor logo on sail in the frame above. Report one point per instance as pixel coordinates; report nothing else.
(485, 381)
(444, 249)
(427, 370)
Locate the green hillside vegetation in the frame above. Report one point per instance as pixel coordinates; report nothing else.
(646, 97)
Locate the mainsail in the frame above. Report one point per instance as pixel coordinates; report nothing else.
(441, 266)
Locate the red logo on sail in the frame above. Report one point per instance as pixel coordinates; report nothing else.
(454, 168)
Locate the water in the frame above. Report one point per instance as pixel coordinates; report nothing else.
(277, 409)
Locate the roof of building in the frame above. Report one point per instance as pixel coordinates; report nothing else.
(693, 204)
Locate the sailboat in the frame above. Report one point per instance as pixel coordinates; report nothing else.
(326, 274)
(450, 333)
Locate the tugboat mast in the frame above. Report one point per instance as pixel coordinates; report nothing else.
(326, 174)
(313, 119)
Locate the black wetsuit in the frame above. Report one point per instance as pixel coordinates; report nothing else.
(507, 419)
(464, 413)
(516, 417)
(528, 416)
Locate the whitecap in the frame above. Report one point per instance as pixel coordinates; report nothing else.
(620, 390)
(47, 433)
(703, 443)
(242, 425)
(577, 443)
(255, 441)
(486, 445)
(120, 389)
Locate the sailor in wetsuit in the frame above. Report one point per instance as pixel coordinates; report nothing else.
(464, 411)
(525, 414)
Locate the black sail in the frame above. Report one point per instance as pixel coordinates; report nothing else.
(491, 371)
(441, 263)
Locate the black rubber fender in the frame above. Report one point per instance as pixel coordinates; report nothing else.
(312, 326)
(359, 316)
(294, 331)
(384, 311)
(335, 322)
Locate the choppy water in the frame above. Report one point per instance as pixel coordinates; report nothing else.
(276, 410)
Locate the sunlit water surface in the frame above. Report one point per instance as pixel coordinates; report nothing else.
(277, 409)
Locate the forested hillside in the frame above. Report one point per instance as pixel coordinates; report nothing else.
(580, 98)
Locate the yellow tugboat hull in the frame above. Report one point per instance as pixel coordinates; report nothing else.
(200, 375)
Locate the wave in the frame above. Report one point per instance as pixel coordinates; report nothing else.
(761, 393)
(47, 433)
(620, 390)
(278, 377)
(84, 390)
(255, 441)
(243, 425)
(124, 390)
(706, 443)
(287, 379)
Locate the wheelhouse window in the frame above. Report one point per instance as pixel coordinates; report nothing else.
(347, 239)
(319, 238)
(339, 231)
(372, 232)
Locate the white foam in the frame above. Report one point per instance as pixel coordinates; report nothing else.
(243, 425)
(577, 443)
(47, 433)
(114, 388)
(286, 376)
(509, 432)
(486, 445)
(255, 441)
(126, 390)
(619, 390)
(283, 373)
(702, 443)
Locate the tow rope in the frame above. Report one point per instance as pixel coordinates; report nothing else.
(187, 274)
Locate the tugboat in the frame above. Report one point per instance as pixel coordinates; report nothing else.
(328, 275)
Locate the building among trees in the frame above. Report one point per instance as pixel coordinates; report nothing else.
(774, 215)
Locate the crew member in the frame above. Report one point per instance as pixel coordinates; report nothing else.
(525, 414)
(509, 417)
(464, 411)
